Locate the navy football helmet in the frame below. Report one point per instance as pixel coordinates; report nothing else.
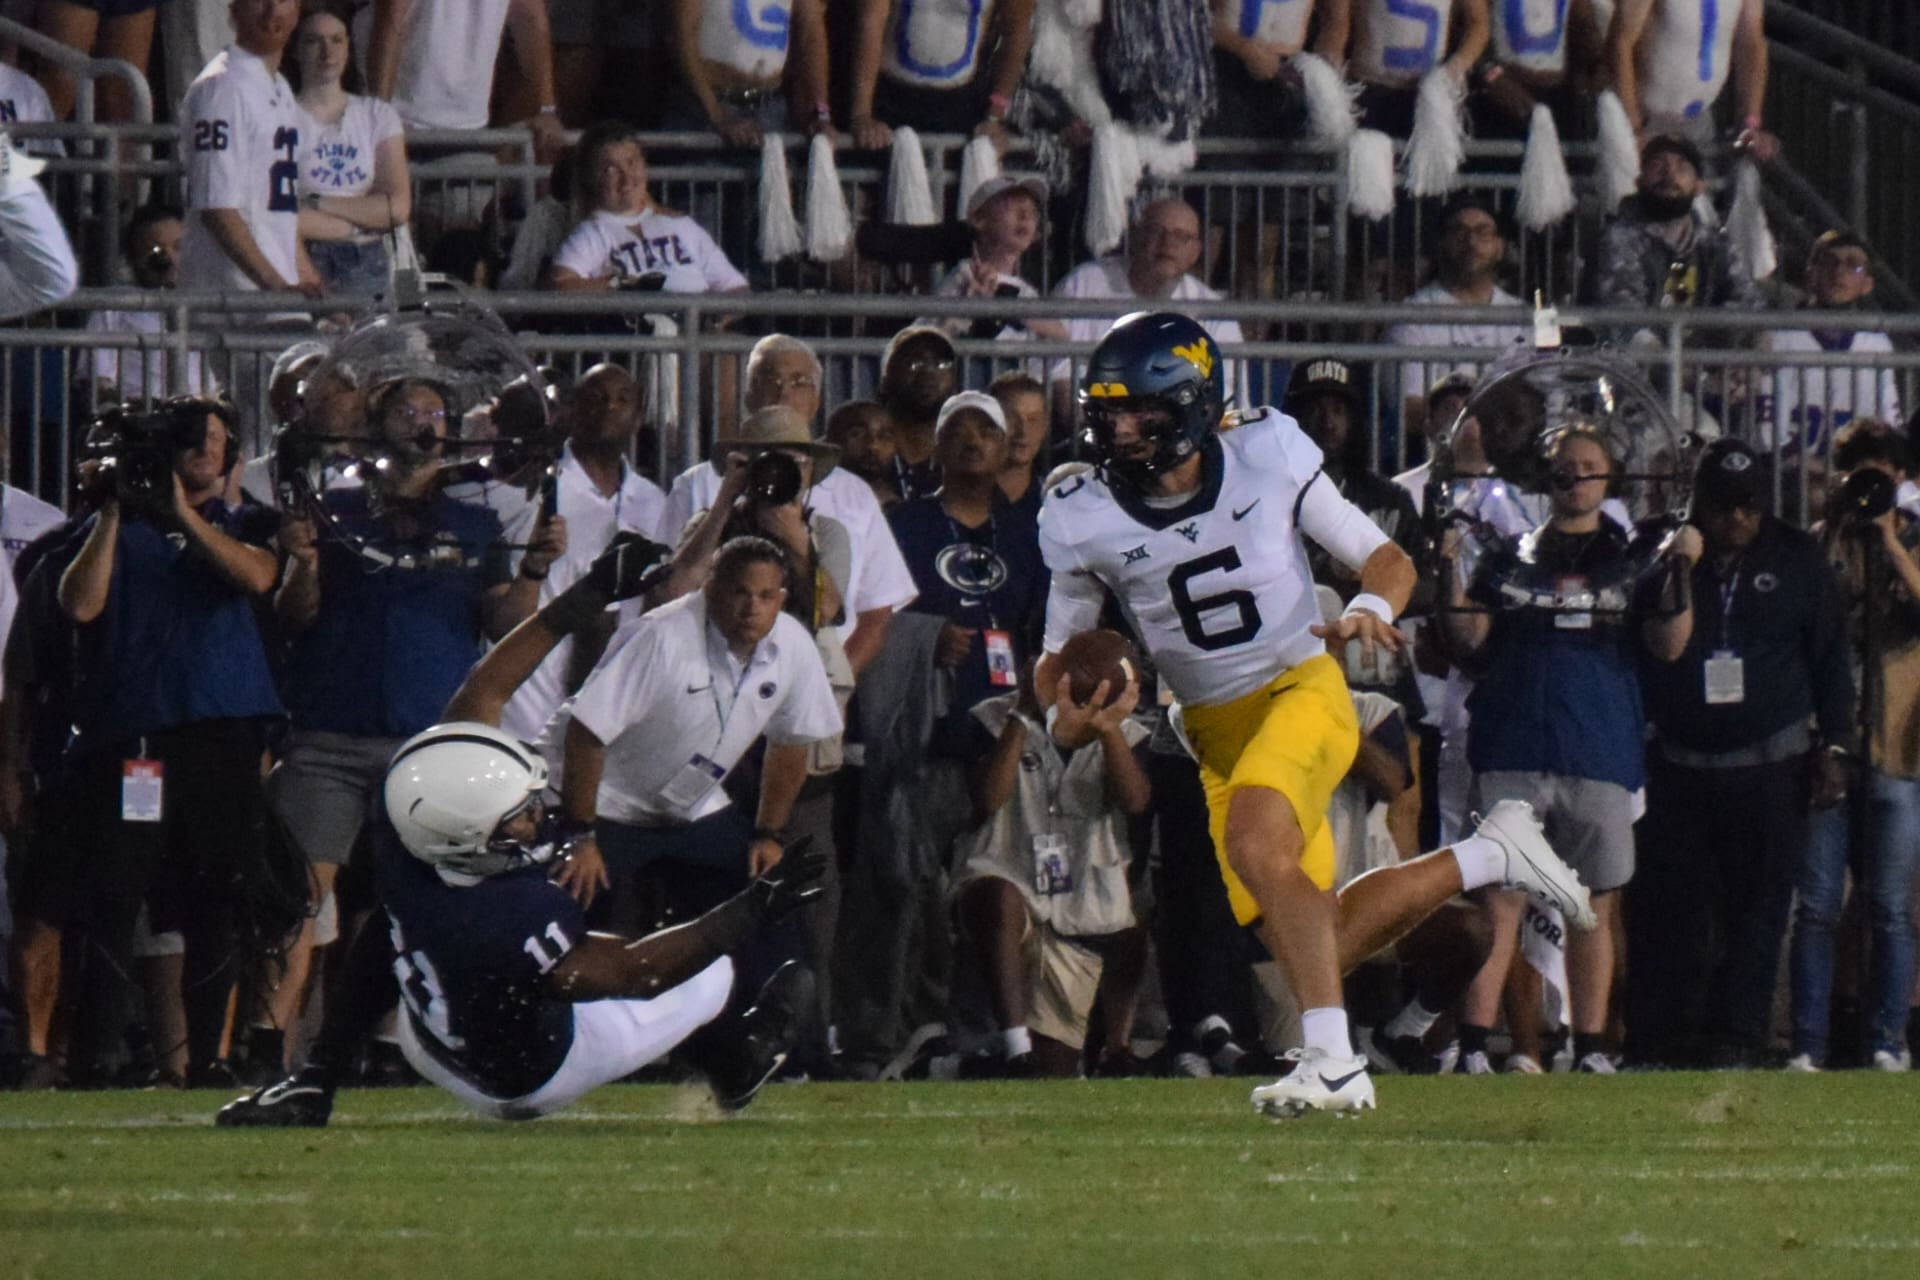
(1152, 361)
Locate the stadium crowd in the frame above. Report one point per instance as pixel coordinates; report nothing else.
(204, 684)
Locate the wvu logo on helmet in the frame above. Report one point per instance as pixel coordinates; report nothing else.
(1199, 355)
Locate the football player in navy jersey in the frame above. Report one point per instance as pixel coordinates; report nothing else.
(508, 1002)
(1194, 519)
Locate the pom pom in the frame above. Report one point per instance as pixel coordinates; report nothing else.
(1369, 174)
(779, 231)
(829, 227)
(909, 194)
(1546, 192)
(1619, 152)
(1115, 173)
(1747, 223)
(977, 163)
(1439, 142)
(1332, 104)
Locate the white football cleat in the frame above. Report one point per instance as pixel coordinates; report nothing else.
(1319, 1081)
(1532, 864)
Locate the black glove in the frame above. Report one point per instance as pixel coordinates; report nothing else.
(627, 568)
(793, 881)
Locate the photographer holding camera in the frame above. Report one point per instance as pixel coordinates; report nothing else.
(174, 698)
(1875, 549)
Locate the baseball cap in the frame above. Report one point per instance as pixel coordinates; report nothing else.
(1322, 377)
(993, 188)
(1729, 475)
(965, 400)
(1673, 144)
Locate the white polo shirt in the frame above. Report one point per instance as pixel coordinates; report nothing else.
(37, 267)
(241, 130)
(677, 711)
(879, 579)
(1419, 376)
(1107, 278)
(592, 519)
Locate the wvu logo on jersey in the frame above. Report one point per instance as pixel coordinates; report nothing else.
(1199, 355)
(1190, 531)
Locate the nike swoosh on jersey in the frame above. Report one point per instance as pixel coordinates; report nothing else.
(1243, 511)
(1340, 1082)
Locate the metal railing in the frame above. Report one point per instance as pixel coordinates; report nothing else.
(1696, 358)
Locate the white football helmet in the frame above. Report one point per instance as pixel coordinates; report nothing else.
(448, 790)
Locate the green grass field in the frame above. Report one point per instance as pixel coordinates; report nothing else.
(1665, 1175)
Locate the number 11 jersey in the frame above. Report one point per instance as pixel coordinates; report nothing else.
(1217, 588)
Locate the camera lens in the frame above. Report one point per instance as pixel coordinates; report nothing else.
(773, 479)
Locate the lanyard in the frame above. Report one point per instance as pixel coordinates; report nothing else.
(723, 712)
(1728, 589)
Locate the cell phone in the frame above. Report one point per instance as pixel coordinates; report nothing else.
(549, 493)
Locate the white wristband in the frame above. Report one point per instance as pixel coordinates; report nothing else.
(1368, 603)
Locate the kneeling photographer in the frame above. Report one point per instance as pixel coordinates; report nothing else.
(1875, 549)
(174, 699)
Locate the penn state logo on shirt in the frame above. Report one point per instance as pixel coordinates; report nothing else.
(767, 689)
(971, 568)
(337, 164)
(1030, 761)
(1765, 582)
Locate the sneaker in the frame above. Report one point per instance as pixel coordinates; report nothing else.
(1192, 1066)
(1596, 1063)
(1396, 1055)
(1532, 864)
(763, 1038)
(1475, 1063)
(1802, 1064)
(910, 1062)
(39, 1073)
(1318, 1082)
(303, 1101)
(1524, 1064)
(1447, 1059)
(1888, 1060)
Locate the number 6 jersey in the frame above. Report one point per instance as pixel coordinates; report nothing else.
(240, 129)
(1217, 587)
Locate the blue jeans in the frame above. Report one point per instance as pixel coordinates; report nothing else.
(1888, 874)
(352, 268)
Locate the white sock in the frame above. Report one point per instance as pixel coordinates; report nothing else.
(1482, 862)
(1326, 1030)
(1414, 1020)
(1015, 1041)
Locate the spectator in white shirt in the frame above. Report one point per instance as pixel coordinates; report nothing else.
(152, 251)
(1469, 251)
(434, 61)
(354, 187)
(1006, 216)
(241, 129)
(23, 101)
(1163, 247)
(36, 261)
(1809, 404)
(627, 240)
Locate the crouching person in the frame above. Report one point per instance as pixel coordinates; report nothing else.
(1041, 880)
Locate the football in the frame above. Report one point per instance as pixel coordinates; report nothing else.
(1093, 656)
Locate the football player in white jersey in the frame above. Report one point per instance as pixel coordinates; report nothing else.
(1672, 59)
(1194, 524)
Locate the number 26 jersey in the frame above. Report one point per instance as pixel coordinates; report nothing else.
(1217, 588)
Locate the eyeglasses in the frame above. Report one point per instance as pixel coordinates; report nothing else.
(929, 364)
(1844, 266)
(798, 382)
(1174, 235)
(407, 413)
(1464, 231)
